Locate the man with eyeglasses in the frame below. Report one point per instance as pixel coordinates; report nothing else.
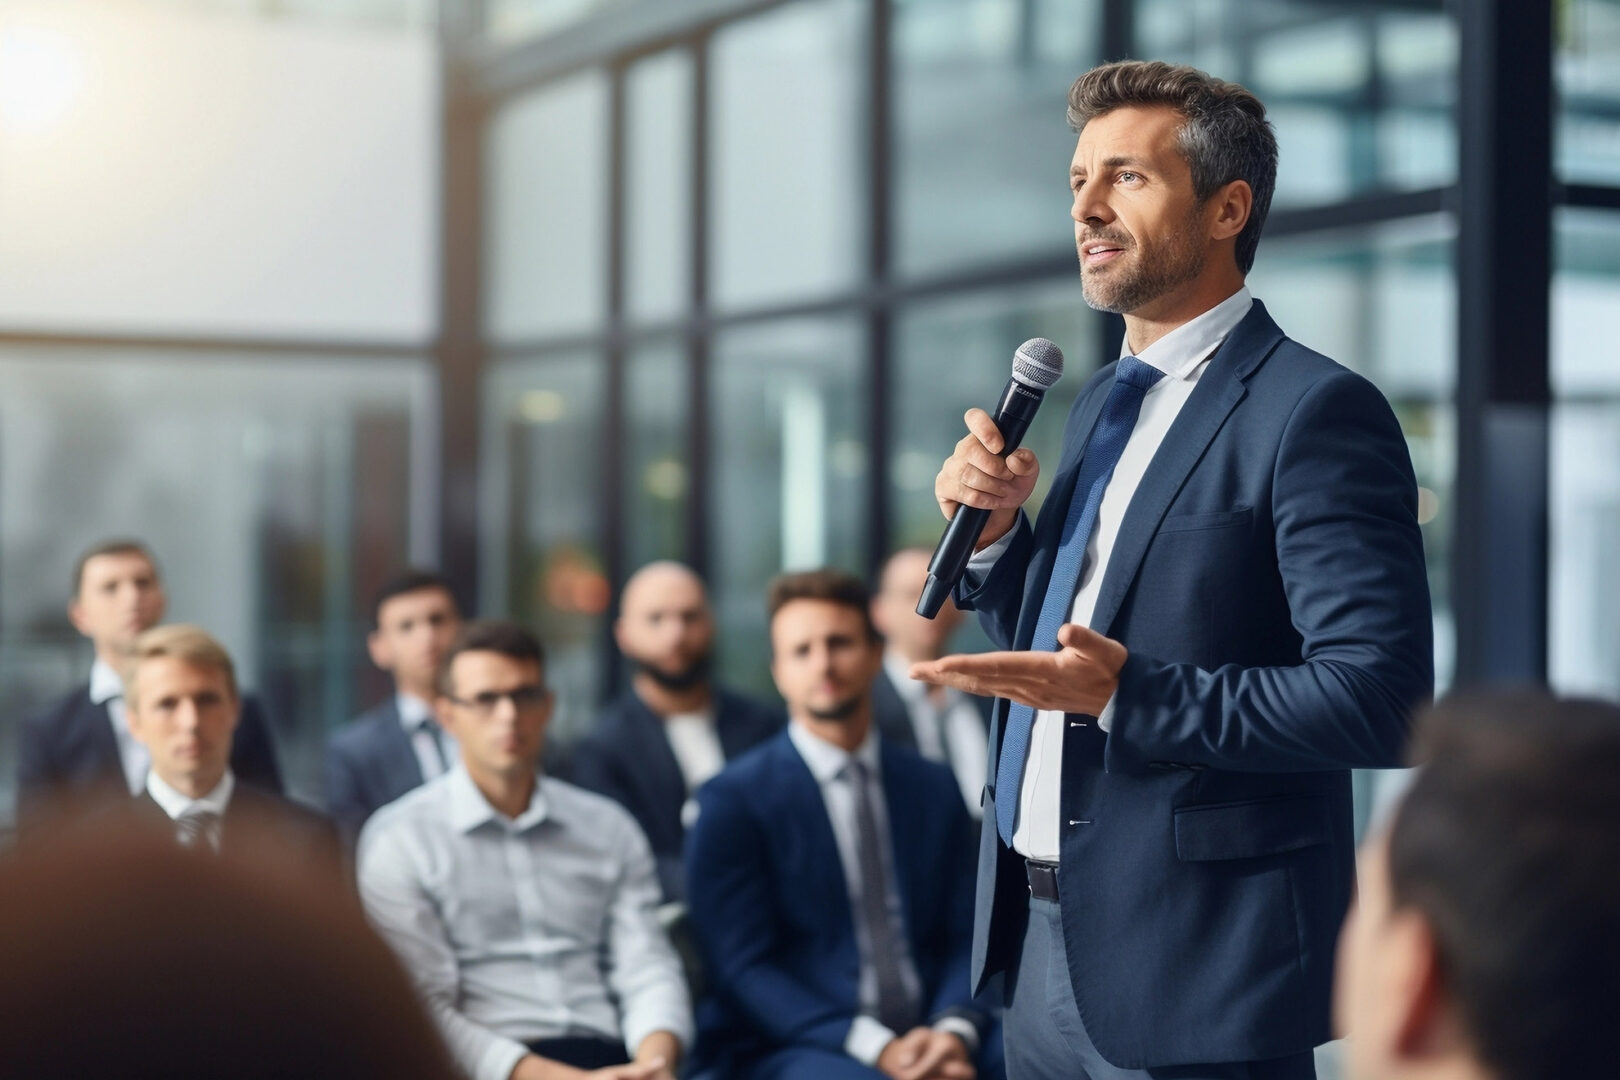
(524, 907)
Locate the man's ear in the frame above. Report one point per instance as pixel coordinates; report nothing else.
(380, 653)
(445, 713)
(1233, 203)
(1424, 1023)
(75, 614)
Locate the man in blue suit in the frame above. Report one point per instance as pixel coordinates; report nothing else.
(829, 879)
(1221, 610)
(397, 744)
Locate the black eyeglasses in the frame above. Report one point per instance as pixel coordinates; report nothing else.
(522, 698)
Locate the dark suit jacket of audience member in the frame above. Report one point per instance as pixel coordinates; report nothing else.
(893, 719)
(771, 912)
(254, 816)
(628, 758)
(370, 762)
(67, 753)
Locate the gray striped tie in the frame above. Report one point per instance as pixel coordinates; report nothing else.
(895, 1009)
(196, 826)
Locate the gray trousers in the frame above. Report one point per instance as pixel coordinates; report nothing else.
(1046, 1040)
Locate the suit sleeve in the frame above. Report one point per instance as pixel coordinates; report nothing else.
(253, 750)
(36, 775)
(999, 595)
(1351, 560)
(734, 919)
(345, 801)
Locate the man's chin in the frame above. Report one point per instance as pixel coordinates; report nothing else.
(693, 675)
(837, 712)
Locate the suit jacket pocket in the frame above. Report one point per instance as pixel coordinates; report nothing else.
(1250, 830)
(1219, 520)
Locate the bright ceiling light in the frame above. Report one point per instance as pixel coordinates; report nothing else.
(40, 75)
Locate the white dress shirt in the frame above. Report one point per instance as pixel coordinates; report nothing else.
(106, 687)
(175, 803)
(538, 927)
(696, 746)
(953, 734)
(867, 1036)
(1182, 355)
(435, 747)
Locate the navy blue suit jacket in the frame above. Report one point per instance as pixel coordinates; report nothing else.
(1268, 580)
(770, 906)
(67, 755)
(627, 757)
(370, 762)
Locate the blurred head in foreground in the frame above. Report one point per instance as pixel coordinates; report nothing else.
(126, 956)
(1486, 939)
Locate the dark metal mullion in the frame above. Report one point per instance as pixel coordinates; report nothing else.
(1504, 390)
(611, 461)
(1589, 196)
(879, 318)
(699, 337)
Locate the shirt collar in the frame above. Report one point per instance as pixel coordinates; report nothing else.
(413, 711)
(174, 803)
(827, 761)
(1179, 352)
(898, 669)
(469, 809)
(105, 683)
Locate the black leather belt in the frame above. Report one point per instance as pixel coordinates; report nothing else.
(1042, 879)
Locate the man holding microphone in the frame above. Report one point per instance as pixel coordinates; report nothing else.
(1221, 610)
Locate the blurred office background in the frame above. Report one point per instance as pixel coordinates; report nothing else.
(538, 290)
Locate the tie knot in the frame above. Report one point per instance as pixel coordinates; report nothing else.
(855, 770)
(194, 825)
(1134, 372)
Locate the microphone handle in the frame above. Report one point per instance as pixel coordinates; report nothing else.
(1013, 414)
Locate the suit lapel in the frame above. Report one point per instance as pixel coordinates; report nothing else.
(95, 734)
(657, 767)
(1219, 390)
(400, 768)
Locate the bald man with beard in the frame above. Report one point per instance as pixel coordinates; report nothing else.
(674, 729)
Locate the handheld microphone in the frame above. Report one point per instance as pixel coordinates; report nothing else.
(1036, 366)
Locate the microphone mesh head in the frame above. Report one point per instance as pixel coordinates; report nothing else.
(1038, 363)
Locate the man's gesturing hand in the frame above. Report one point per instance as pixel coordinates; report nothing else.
(1079, 677)
(974, 476)
(925, 1054)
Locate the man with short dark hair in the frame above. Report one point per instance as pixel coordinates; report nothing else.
(524, 907)
(829, 877)
(1221, 610)
(1485, 941)
(394, 746)
(80, 749)
(657, 743)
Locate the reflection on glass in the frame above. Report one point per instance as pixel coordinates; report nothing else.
(543, 553)
(514, 20)
(1585, 300)
(1587, 71)
(657, 477)
(1361, 94)
(982, 143)
(275, 492)
(657, 181)
(546, 223)
(1583, 636)
(788, 474)
(787, 113)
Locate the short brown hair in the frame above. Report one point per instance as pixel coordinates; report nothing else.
(491, 635)
(117, 546)
(833, 586)
(1225, 135)
(191, 644)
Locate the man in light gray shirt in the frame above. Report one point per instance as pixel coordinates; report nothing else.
(524, 907)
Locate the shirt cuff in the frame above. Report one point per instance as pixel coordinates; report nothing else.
(963, 1029)
(499, 1058)
(980, 563)
(866, 1040)
(1105, 719)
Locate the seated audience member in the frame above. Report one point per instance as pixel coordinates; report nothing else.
(181, 705)
(829, 875)
(524, 907)
(79, 749)
(1485, 943)
(942, 723)
(393, 747)
(674, 728)
(125, 956)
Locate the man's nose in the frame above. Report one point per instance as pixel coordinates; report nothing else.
(1090, 206)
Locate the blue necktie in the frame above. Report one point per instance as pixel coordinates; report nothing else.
(1132, 379)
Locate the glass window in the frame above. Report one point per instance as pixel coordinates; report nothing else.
(658, 188)
(1587, 71)
(1361, 94)
(544, 557)
(513, 20)
(657, 470)
(786, 198)
(1585, 302)
(982, 141)
(276, 493)
(789, 471)
(546, 219)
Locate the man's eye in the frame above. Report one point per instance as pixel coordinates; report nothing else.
(1128, 177)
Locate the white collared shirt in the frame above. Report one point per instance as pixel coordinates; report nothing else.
(175, 803)
(867, 1036)
(427, 742)
(1182, 355)
(107, 687)
(695, 742)
(953, 734)
(519, 929)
